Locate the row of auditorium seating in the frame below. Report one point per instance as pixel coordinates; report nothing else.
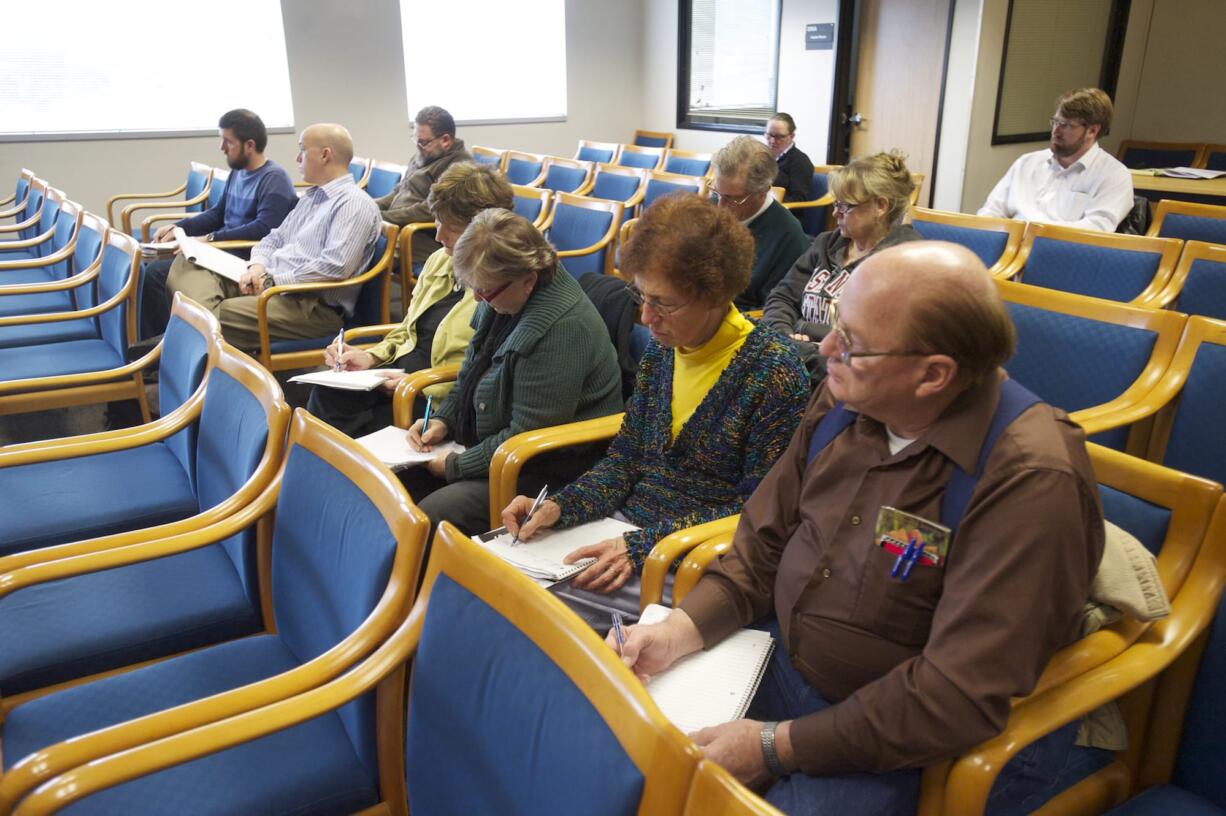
(1139, 155)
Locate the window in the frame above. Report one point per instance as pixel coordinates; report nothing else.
(486, 60)
(729, 64)
(141, 67)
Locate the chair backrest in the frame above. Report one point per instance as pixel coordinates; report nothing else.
(67, 224)
(374, 294)
(598, 152)
(653, 138)
(1125, 268)
(53, 202)
(525, 169)
(1198, 284)
(660, 183)
(687, 163)
(199, 179)
(617, 183)
(1189, 222)
(1077, 353)
(384, 176)
(360, 168)
(532, 203)
(90, 236)
(117, 278)
(33, 207)
(566, 175)
(813, 220)
(241, 428)
(1137, 154)
(189, 346)
(994, 240)
(1213, 157)
(585, 226)
(647, 158)
(533, 703)
(23, 186)
(487, 155)
(217, 190)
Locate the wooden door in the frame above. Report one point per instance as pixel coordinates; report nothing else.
(899, 72)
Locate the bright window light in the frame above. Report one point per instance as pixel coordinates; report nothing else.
(470, 57)
(140, 67)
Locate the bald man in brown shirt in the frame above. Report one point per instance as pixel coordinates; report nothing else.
(898, 646)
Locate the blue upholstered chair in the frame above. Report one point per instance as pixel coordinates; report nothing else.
(994, 240)
(582, 231)
(644, 158)
(60, 309)
(14, 245)
(615, 183)
(194, 192)
(373, 307)
(1198, 284)
(87, 370)
(660, 183)
(1189, 222)
(65, 613)
(1136, 154)
(814, 214)
(652, 138)
(45, 259)
(1095, 359)
(383, 178)
(26, 218)
(567, 175)
(14, 205)
(487, 155)
(342, 569)
(687, 163)
(1213, 157)
(360, 169)
(1183, 521)
(515, 707)
(217, 191)
(598, 152)
(524, 169)
(533, 203)
(1125, 268)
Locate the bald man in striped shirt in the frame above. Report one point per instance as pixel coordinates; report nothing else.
(329, 236)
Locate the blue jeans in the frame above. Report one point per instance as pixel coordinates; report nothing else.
(1024, 784)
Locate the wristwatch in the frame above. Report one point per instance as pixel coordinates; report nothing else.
(268, 280)
(769, 754)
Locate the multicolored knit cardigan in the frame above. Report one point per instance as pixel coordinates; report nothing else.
(725, 448)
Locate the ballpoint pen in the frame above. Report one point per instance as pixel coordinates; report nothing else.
(425, 416)
(540, 499)
(904, 558)
(340, 347)
(619, 634)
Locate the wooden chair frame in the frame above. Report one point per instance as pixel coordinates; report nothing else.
(313, 357)
(50, 195)
(1192, 251)
(613, 146)
(823, 201)
(1168, 206)
(623, 235)
(714, 790)
(149, 201)
(12, 206)
(407, 523)
(512, 155)
(698, 183)
(574, 164)
(404, 258)
(220, 175)
(614, 208)
(546, 196)
(412, 385)
(478, 150)
(652, 134)
(1197, 148)
(68, 209)
(1014, 229)
(690, 154)
(658, 152)
(36, 184)
(1167, 248)
(79, 277)
(1207, 152)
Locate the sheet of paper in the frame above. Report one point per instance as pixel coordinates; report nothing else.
(158, 248)
(211, 258)
(1192, 173)
(367, 380)
(392, 447)
(541, 557)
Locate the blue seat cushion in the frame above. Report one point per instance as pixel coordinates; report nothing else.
(71, 357)
(1167, 800)
(36, 303)
(10, 255)
(308, 769)
(309, 344)
(34, 334)
(99, 621)
(47, 503)
(70, 712)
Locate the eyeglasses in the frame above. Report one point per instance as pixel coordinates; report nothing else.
(719, 197)
(488, 295)
(422, 143)
(666, 309)
(776, 137)
(842, 207)
(843, 343)
(1064, 124)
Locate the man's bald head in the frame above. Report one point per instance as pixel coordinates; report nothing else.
(334, 137)
(946, 302)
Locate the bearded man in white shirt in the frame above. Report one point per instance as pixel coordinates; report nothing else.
(1075, 183)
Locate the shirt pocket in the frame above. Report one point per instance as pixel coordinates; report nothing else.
(1070, 205)
(900, 611)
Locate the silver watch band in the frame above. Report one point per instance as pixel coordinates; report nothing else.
(769, 754)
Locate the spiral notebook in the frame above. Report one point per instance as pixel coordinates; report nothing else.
(714, 686)
(541, 557)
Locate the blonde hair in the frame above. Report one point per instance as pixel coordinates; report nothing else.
(467, 188)
(747, 156)
(1090, 105)
(500, 246)
(882, 175)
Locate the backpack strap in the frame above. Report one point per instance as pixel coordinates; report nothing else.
(836, 420)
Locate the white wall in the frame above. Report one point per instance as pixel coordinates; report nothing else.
(805, 77)
(956, 111)
(346, 66)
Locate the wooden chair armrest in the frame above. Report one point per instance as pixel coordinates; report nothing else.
(69, 380)
(146, 226)
(71, 282)
(405, 253)
(1118, 413)
(128, 211)
(110, 204)
(235, 244)
(26, 243)
(6, 201)
(370, 331)
(696, 563)
(60, 317)
(514, 453)
(35, 263)
(413, 384)
(261, 303)
(29, 222)
(824, 201)
(673, 546)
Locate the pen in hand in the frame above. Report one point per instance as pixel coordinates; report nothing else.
(619, 634)
(536, 505)
(337, 365)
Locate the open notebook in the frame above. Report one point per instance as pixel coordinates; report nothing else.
(714, 686)
(541, 557)
(367, 380)
(211, 258)
(392, 447)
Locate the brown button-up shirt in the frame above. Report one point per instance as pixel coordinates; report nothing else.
(920, 670)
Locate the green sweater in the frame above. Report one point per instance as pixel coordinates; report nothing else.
(557, 366)
(778, 240)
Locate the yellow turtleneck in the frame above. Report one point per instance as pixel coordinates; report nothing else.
(696, 370)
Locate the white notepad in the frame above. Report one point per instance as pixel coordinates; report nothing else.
(392, 447)
(211, 258)
(714, 686)
(367, 380)
(541, 557)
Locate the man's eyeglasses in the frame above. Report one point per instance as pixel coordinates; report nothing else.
(1064, 124)
(719, 197)
(842, 342)
(424, 143)
(638, 299)
(843, 207)
(488, 295)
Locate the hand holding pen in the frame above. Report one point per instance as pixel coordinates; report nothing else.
(536, 505)
(337, 365)
(619, 633)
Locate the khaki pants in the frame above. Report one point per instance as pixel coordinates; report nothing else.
(290, 317)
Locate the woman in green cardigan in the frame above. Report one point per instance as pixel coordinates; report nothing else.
(540, 356)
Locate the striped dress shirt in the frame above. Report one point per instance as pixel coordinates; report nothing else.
(330, 235)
